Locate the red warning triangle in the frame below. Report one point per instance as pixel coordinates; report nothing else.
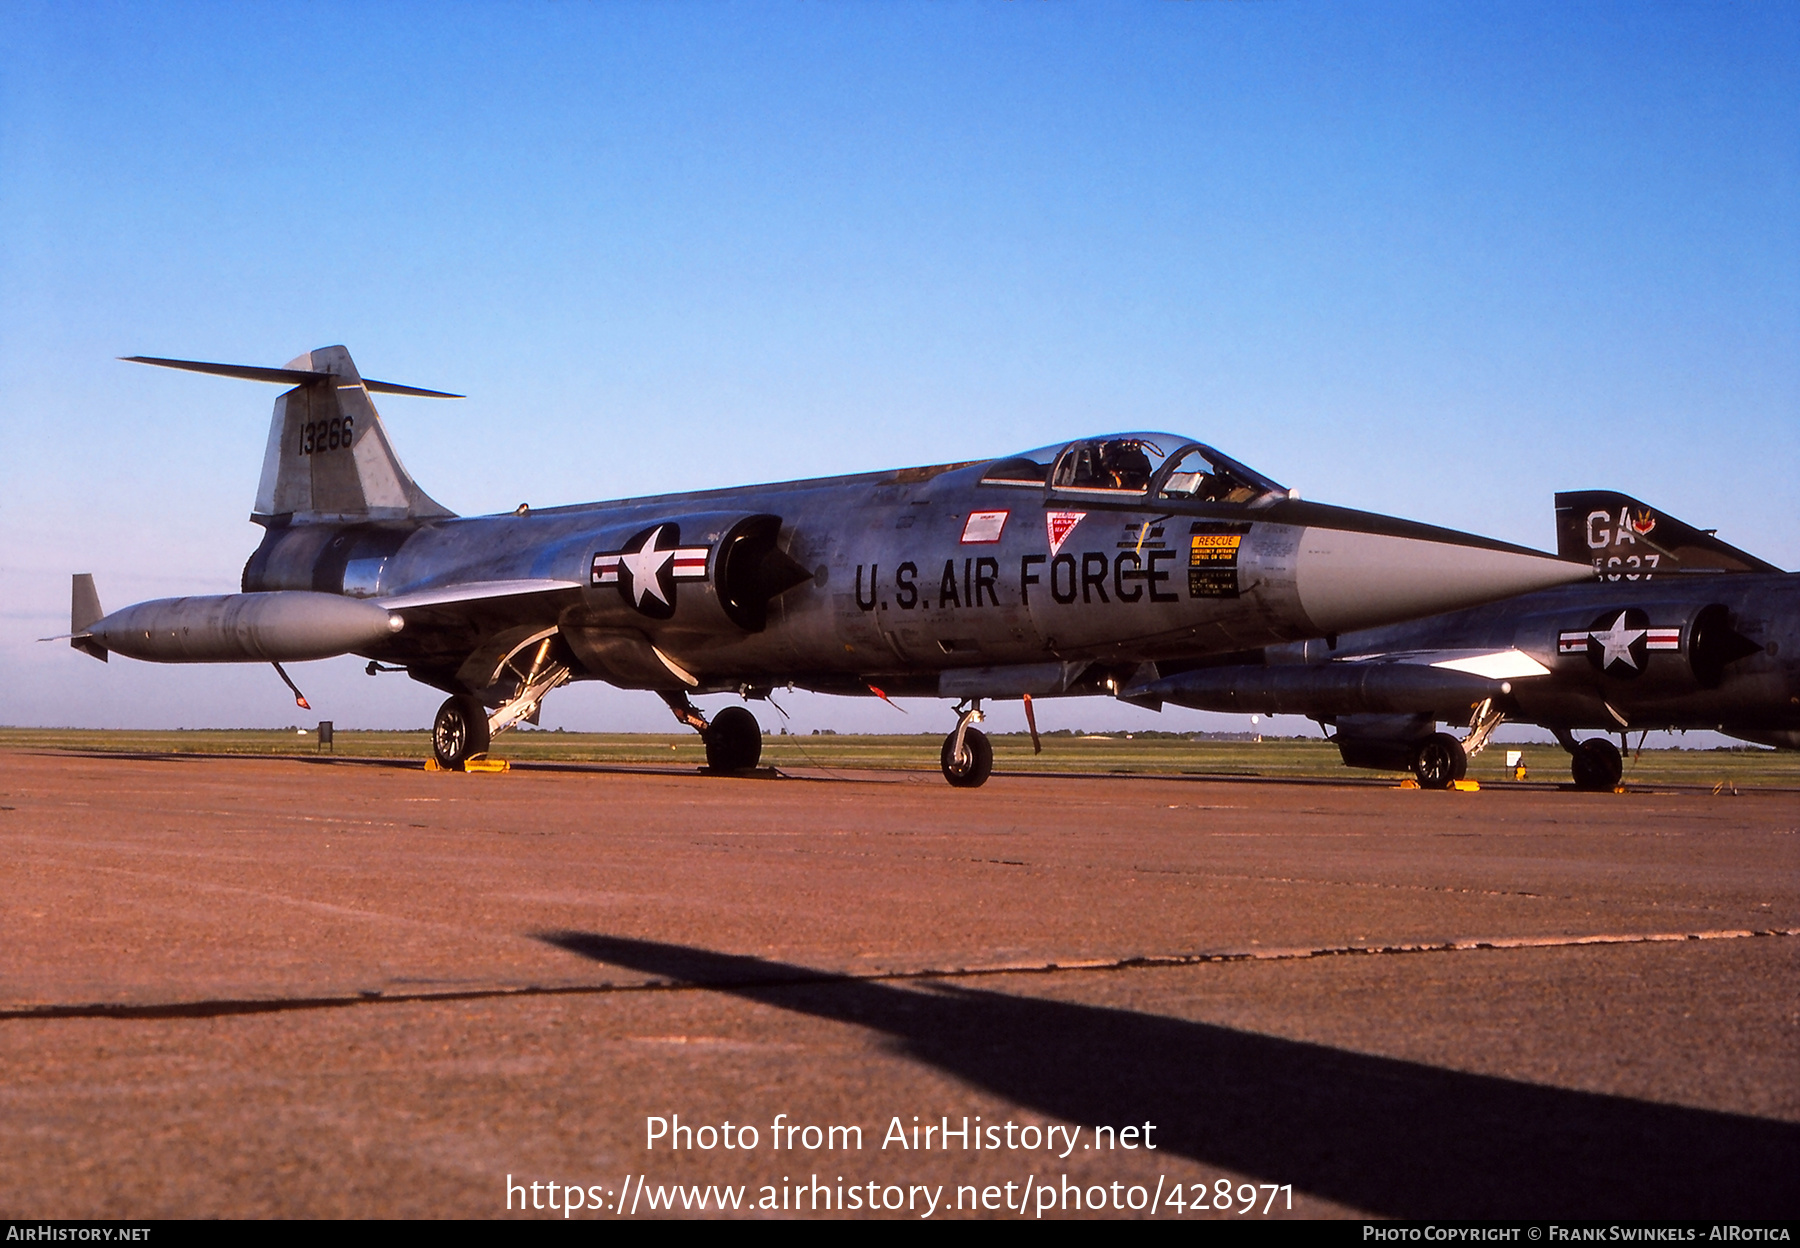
(1059, 524)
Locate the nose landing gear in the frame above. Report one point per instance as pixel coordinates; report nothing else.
(967, 757)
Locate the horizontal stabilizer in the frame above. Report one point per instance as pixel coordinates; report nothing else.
(285, 376)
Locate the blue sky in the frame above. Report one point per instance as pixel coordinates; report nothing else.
(1436, 259)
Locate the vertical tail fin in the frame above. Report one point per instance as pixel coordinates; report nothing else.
(1623, 537)
(329, 457)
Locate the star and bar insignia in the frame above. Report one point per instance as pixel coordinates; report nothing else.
(1619, 645)
(648, 567)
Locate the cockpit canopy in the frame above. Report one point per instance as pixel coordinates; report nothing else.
(1133, 465)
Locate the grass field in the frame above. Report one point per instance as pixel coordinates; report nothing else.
(1012, 752)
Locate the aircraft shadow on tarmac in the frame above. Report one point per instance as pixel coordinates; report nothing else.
(1378, 1134)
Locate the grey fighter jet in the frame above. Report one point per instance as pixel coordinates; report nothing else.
(1074, 569)
(1680, 630)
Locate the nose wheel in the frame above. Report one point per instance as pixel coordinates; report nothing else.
(967, 757)
(460, 732)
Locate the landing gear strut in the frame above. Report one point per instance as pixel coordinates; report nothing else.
(460, 732)
(967, 757)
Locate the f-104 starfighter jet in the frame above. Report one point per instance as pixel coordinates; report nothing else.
(1073, 569)
(1679, 630)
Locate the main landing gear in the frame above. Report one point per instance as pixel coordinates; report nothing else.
(460, 732)
(733, 738)
(1440, 760)
(1595, 764)
(464, 729)
(967, 757)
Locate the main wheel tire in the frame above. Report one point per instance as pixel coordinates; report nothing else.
(460, 732)
(1596, 764)
(1439, 762)
(733, 740)
(976, 764)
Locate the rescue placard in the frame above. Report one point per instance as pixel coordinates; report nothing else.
(1212, 565)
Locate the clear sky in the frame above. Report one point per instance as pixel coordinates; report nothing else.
(1434, 259)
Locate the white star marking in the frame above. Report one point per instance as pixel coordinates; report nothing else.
(1617, 643)
(645, 563)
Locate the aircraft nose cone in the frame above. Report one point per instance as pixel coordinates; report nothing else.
(1348, 580)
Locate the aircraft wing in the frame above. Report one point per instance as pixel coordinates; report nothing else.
(1509, 664)
(473, 591)
(461, 635)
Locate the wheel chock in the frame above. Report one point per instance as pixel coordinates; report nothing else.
(474, 764)
(1467, 786)
(1408, 783)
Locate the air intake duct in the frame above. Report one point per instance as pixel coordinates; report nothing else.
(1713, 644)
(753, 571)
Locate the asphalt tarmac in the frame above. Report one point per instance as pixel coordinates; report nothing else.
(265, 987)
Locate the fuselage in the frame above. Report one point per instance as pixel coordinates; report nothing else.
(894, 577)
(1695, 651)
(1070, 569)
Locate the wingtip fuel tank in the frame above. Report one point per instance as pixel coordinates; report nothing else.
(289, 626)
